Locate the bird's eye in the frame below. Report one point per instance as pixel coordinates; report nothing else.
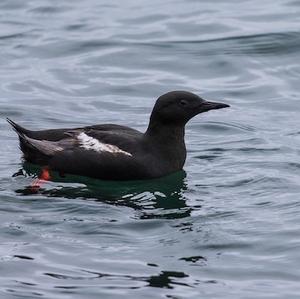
(183, 103)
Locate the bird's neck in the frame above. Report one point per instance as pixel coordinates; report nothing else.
(165, 133)
(168, 143)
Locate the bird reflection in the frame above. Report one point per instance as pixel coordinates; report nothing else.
(158, 198)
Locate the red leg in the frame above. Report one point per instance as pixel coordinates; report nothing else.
(44, 176)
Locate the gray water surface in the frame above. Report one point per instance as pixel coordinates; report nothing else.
(226, 227)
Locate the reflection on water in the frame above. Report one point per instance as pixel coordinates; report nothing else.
(162, 197)
(165, 279)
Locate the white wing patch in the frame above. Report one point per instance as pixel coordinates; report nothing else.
(90, 143)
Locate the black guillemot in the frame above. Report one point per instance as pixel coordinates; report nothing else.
(115, 152)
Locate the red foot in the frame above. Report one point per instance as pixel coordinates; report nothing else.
(45, 175)
(37, 183)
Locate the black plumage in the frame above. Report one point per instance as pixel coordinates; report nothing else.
(114, 152)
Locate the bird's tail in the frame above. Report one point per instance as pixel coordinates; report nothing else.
(17, 128)
(33, 150)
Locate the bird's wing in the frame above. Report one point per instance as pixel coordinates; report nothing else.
(78, 139)
(58, 134)
(83, 154)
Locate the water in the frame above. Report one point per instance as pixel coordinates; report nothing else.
(227, 227)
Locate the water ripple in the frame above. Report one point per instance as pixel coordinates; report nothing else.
(227, 227)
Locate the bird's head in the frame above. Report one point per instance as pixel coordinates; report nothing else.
(178, 107)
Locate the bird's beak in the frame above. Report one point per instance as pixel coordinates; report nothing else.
(207, 105)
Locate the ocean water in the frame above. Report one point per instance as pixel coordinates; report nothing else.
(228, 226)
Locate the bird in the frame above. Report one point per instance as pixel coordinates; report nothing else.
(117, 152)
